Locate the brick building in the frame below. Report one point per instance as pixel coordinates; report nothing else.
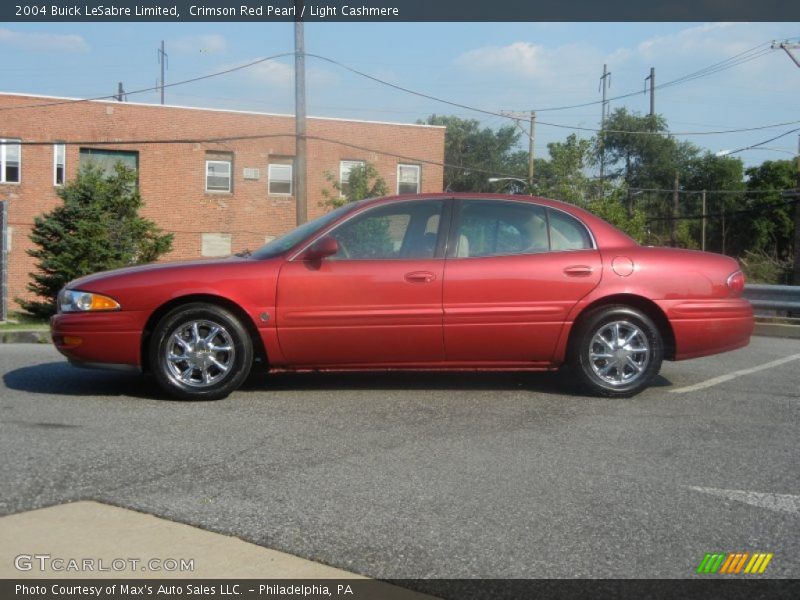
(216, 197)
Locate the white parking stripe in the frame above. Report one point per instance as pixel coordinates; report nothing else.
(723, 378)
(777, 502)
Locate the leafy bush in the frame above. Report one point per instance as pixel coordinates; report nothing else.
(97, 227)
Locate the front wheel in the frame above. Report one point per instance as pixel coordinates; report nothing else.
(200, 352)
(617, 351)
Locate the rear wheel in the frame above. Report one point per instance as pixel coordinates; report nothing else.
(200, 352)
(617, 351)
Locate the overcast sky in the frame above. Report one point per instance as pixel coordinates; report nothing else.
(492, 66)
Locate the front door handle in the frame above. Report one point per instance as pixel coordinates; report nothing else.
(578, 271)
(420, 277)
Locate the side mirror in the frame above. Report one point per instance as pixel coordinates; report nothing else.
(322, 248)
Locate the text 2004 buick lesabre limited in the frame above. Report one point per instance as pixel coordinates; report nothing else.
(443, 281)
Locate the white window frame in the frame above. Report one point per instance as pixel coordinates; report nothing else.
(270, 178)
(3, 147)
(419, 176)
(351, 164)
(230, 176)
(56, 163)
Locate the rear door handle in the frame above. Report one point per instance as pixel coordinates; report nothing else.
(578, 271)
(420, 277)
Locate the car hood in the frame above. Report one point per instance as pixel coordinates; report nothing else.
(164, 268)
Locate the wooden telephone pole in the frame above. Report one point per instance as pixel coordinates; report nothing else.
(787, 47)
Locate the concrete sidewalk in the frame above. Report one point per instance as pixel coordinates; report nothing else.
(99, 532)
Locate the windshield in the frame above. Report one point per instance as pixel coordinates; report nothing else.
(285, 242)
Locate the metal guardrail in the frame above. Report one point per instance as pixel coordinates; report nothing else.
(773, 297)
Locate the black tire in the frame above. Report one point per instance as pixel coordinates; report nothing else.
(604, 363)
(200, 351)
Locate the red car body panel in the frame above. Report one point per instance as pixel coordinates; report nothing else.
(514, 311)
(358, 312)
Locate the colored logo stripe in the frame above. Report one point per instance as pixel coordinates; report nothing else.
(732, 563)
(711, 563)
(758, 564)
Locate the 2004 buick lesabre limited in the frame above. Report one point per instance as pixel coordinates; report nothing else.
(441, 281)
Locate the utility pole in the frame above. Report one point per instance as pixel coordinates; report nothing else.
(301, 206)
(787, 47)
(162, 60)
(652, 79)
(530, 152)
(120, 97)
(673, 230)
(605, 83)
(531, 133)
(705, 219)
(796, 271)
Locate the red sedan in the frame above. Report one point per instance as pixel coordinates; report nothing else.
(442, 281)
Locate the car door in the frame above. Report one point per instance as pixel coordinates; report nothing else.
(513, 272)
(378, 301)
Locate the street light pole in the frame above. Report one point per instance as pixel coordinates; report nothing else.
(301, 207)
(530, 151)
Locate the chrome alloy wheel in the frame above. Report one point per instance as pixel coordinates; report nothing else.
(619, 353)
(199, 353)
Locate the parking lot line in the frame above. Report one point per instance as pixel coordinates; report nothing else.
(733, 375)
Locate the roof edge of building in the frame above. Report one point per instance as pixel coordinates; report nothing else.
(223, 110)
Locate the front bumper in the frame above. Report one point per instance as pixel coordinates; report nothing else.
(102, 339)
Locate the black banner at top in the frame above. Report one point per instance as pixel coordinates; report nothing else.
(398, 10)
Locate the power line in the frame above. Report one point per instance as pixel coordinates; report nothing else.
(689, 77)
(406, 90)
(234, 138)
(506, 116)
(251, 137)
(150, 89)
(764, 207)
(772, 139)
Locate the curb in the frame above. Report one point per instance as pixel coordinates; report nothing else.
(25, 336)
(781, 330)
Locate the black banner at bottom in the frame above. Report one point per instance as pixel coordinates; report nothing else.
(399, 589)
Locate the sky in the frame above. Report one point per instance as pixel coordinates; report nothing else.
(495, 67)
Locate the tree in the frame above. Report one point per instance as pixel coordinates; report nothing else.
(711, 172)
(564, 177)
(467, 147)
(97, 227)
(771, 222)
(364, 182)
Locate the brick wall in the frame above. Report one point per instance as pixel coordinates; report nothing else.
(172, 175)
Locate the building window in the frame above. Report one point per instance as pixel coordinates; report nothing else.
(218, 176)
(107, 160)
(59, 164)
(280, 179)
(408, 179)
(10, 161)
(219, 170)
(345, 166)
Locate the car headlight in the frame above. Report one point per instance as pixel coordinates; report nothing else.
(78, 301)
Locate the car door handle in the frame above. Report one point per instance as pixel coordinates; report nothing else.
(578, 270)
(420, 277)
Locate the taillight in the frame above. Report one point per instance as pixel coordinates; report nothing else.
(736, 283)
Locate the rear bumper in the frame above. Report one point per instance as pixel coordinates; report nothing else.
(111, 339)
(704, 327)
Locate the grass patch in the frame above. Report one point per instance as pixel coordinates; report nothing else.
(17, 321)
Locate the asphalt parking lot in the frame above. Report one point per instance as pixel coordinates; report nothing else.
(423, 475)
